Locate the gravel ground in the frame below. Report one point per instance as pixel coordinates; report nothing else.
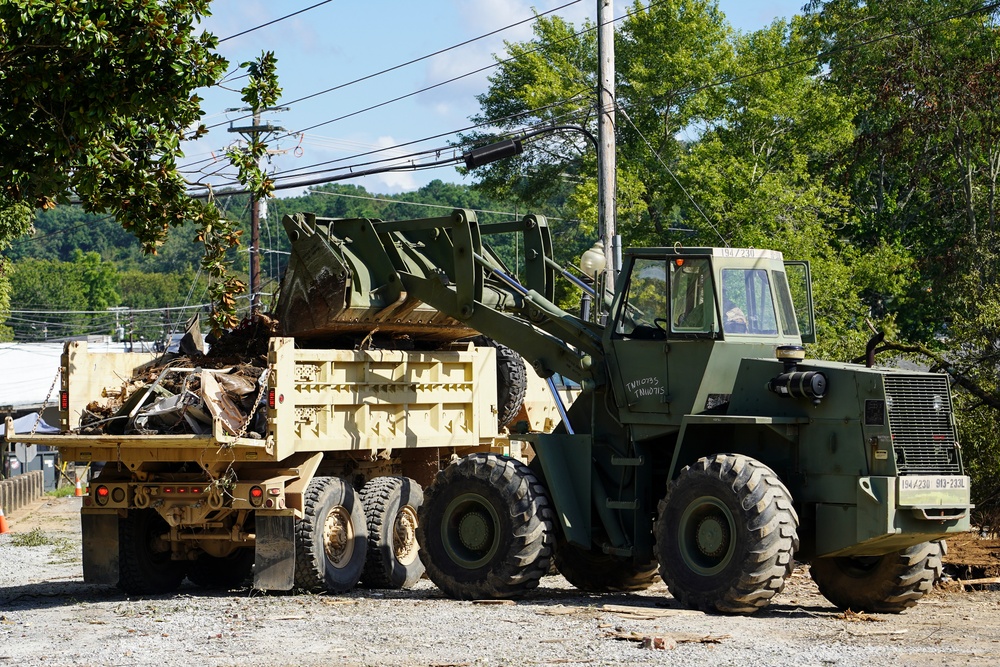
(49, 617)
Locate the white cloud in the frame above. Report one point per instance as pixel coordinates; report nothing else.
(479, 18)
(394, 183)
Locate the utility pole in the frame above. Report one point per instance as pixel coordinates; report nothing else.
(606, 167)
(256, 129)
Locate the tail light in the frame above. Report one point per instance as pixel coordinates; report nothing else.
(256, 496)
(102, 494)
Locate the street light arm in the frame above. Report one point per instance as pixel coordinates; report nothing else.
(500, 150)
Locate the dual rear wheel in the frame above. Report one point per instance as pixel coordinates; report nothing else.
(345, 537)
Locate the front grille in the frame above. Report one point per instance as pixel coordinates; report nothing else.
(921, 425)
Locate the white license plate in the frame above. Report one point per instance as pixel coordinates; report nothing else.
(933, 490)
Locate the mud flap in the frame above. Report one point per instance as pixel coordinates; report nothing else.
(566, 464)
(274, 562)
(100, 547)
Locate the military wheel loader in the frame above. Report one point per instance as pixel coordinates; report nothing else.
(704, 446)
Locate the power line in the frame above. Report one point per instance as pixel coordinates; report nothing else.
(411, 167)
(370, 76)
(416, 203)
(156, 310)
(410, 62)
(454, 160)
(476, 71)
(430, 87)
(370, 108)
(277, 20)
(436, 136)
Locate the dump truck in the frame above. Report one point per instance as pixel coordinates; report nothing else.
(704, 446)
(302, 466)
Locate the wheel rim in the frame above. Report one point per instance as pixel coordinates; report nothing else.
(338, 536)
(706, 536)
(469, 531)
(404, 535)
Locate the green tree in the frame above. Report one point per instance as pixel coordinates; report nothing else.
(141, 290)
(759, 174)
(82, 289)
(921, 174)
(96, 98)
(546, 80)
(14, 217)
(667, 55)
(922, 170)
(50, 299)
(99, 279)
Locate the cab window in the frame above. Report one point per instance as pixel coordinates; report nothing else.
(645, 301)
(789, 322)
(692, 308)
(747, 304)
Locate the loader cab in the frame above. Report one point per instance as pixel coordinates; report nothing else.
(685, 317)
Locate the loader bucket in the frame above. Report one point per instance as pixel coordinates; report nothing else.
(341, 280)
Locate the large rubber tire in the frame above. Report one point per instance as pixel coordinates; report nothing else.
(486, 529)
(726, 535)
(597, 572)
(512, 381)
(144, 564)
(331, 539)
(222, 573)
(391, 505)
(879, 584)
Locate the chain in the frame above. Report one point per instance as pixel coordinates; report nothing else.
(45, 403)
(256, 403)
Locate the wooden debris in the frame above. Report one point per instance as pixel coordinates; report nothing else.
(665, 642)
(563, 610)
(646, 613)
(978, 582)
(873, 633)
(495, 602)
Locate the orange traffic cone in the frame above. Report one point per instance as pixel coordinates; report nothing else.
(79, 489)
(4, 528)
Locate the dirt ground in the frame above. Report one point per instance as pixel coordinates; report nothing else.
(971, 556)
(48, 616)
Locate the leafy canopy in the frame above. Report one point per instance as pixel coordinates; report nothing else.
(96, 98)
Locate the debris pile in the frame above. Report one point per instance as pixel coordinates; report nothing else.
(186, 392)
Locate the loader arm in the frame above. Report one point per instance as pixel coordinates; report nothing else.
(387, 271)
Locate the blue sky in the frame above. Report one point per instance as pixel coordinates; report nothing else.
(343, 40)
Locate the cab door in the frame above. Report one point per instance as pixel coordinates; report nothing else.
(668, 303)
